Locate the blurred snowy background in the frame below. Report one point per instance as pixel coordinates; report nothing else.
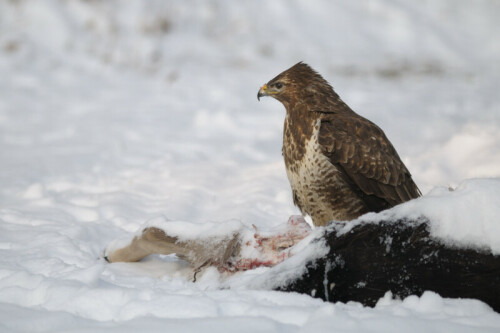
(114, 112)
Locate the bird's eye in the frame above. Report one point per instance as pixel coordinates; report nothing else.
(279, 85)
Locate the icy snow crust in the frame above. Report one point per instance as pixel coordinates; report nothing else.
(115, 113)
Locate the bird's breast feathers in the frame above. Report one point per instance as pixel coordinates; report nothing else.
(310, 173)
(318, 187)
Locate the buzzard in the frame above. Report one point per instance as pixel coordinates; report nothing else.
(339, 164)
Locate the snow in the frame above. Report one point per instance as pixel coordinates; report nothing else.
(189, 230)
(115, 113)
(452, 219)
(464, 217)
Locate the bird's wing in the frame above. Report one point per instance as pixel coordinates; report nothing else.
(361, 150)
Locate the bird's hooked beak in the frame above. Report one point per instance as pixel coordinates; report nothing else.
(262, 92)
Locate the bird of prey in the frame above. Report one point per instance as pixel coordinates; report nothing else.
(339, 164)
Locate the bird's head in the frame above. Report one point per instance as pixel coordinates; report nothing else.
(278, 88)
(296, 82)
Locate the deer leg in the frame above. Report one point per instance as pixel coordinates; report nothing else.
(151, 241)
(197, 252)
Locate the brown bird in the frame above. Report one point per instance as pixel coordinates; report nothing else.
(339, 164)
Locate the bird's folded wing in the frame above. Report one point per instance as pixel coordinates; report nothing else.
(361, 150)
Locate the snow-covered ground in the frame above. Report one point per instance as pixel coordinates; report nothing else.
(116, 112)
